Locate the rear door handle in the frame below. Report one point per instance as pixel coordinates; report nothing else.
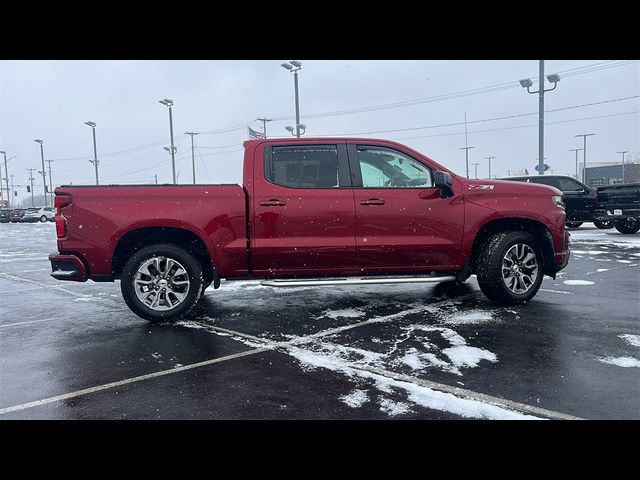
(274, 202)
(372, 201)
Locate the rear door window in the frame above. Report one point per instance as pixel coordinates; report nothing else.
(303, 166)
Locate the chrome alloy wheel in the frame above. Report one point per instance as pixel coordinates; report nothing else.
(519, 268)
(161, 283)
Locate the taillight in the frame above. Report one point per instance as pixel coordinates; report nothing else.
(61, 201)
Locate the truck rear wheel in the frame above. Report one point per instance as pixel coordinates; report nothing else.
(626, 227)
(161, 282)
(574, 224)
(509, 267)
(603, 224)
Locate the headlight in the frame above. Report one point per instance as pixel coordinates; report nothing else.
(558, 200)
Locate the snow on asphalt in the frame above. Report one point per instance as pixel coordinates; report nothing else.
(631, 339)
(621, 361)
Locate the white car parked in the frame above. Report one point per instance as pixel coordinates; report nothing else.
(41, 214)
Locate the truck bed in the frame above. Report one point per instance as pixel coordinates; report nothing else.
(99, 217)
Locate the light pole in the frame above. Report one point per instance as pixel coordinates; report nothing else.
(527, 83)
(6, 177)
(44, 178)
(293, 66)
(264, 125)
(292, 131)
(626, 151)
(193, 156)
(95, 150)
(466, 153)
(51, 183)
(576, 150)
(30, 170)
(169, 103)
(476, 169)
(489, 158)
(584, 155)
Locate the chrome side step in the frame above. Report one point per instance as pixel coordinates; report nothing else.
(316, 282)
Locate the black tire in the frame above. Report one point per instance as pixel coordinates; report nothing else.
(43, 218)
(193, 271)
(626, 227)
(574, 224)
(603, 224)
(489, 266)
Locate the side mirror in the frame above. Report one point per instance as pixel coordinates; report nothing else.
(444, 182)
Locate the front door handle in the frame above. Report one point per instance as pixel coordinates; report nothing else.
(274, 202)
(372, 201)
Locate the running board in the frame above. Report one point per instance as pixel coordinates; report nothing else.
(315, 282)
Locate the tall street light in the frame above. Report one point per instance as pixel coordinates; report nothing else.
(44, 177)
(527, 83)
(466, 153)
(6, 177)
(193, 156)
(584, 155)
(489, 158)
(169, 103)
(626, 151)
(95, 150)
(293, 66)
(576, 150)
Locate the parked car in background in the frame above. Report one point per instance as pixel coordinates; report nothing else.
(5, 213)
(39, 214)
(580, 199)
(17, 214)
(620, 204)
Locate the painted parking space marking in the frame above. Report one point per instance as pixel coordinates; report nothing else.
(127, 381)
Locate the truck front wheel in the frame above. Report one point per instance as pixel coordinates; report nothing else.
(626, 227)
(509, 267)
(161, 282)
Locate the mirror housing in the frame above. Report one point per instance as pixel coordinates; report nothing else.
(444, 182)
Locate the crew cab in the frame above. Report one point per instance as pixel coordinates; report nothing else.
(315, 211)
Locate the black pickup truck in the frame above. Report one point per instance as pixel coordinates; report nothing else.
(619, 204)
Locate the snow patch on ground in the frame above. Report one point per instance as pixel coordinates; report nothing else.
(623, 261)
(355, 399)
(631, 339)
(466, 356)
(603, 270)
(589, 252)
(621, 361)
(471, 317)
(345, 313)
(83, 299)
(394, 408)
(578, 282)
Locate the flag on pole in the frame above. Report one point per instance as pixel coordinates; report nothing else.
(253, 135)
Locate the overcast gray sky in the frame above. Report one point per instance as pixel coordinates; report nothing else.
(51, 100)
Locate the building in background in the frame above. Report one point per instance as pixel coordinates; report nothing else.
(612, 174)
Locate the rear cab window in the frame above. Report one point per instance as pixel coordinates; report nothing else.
(305, 166)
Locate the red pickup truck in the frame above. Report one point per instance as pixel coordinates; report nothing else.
(315, 211)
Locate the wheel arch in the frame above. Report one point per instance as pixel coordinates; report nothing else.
(138, 238)
(538, 229)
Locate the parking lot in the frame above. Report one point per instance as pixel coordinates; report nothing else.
(75, 351)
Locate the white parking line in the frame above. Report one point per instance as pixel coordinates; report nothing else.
(106, 386)
(17, 324)
(60, 289)
(556, 291)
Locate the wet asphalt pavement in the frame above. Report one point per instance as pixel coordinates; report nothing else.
(75, 351)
